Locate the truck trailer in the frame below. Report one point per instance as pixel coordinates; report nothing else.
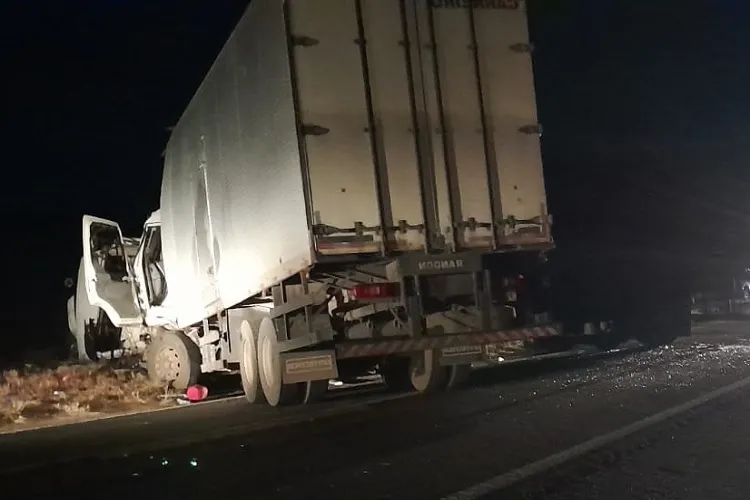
(356, 185)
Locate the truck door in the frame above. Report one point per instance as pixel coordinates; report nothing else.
(148, 268)
(109, 278)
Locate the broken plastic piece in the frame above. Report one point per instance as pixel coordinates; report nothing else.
(196, 393)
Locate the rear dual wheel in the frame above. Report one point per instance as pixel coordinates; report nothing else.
(422, 372)
(261, 370)
(249, 365)
(425, 373)
(458, 375)
(662, 326)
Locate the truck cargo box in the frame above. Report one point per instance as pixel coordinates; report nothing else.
(335, 128)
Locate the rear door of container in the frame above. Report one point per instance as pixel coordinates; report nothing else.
(479, 88)
(418, 124)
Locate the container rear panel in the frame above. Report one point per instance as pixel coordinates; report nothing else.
(510, 105)
(419, 124)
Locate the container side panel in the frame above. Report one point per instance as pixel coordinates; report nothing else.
(396, 149)
(233, 209)
(204, 121)
(333, 110)
(510, 105)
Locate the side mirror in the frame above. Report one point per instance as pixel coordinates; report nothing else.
(69, 282)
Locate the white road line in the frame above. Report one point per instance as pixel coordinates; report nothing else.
(504, 480)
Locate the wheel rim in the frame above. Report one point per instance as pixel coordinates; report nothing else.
(168, 364)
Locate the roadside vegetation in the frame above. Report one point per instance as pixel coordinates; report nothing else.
(34, 394)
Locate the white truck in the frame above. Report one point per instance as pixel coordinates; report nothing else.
(356, 185)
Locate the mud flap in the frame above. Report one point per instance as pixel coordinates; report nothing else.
(309, 365)
(462, 355)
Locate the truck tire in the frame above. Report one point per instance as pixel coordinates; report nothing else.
(174, 359)
(249, 365)
(457, 376)
(426, 374)
(276, 392)
(651, 337)
(664, 326)
(314, 391)
(606, 341)
(660, 333)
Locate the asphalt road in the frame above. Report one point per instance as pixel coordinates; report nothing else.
(666, 423)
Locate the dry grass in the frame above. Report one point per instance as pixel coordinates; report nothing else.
(75, 390)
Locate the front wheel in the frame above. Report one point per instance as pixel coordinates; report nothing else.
(174, 359)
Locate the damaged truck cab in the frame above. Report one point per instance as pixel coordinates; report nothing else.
(132, 293)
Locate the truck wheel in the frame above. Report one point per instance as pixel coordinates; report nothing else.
(657, 334)
(651, 338)
(664, 327)
(315, 391)
(269, 367)
(174, 358)
(426, 374)
(457, 376)
(608, 341)
(249, 365)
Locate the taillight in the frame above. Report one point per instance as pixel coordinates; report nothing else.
(375, 291)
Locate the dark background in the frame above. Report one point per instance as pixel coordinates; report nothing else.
(644, 104)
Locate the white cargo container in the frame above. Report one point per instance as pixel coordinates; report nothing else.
(356, 184)
(331, 127)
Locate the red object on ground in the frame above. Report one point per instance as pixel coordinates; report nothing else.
(196, 393)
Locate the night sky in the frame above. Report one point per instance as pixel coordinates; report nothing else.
(645, 110)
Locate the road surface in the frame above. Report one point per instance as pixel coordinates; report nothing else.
(668, 423)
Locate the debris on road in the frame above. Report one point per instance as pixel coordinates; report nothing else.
(196, 393)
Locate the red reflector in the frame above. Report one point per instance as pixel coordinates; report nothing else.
(375, 290)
